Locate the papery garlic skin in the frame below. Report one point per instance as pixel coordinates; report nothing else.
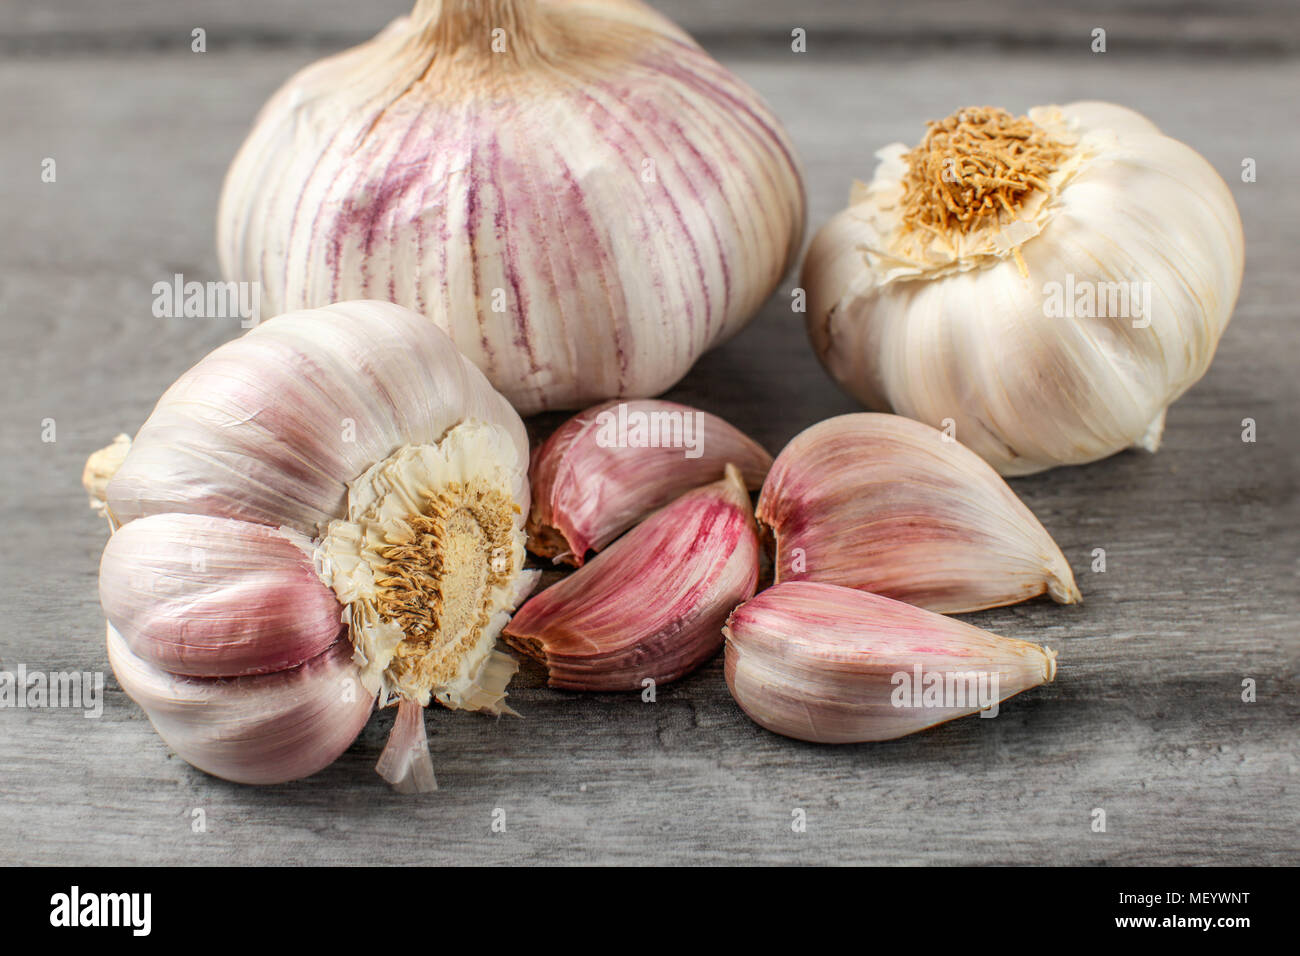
(476, 466)
(585, 209)
(650, 607)
(886, 504)
(271, 427)
(213, 597)
(827, 664)
(957, 327)
(344, 466)
(99, 470)
(270, 728)
(598, 474)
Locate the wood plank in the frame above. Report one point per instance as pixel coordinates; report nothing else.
(1247, 25)
(1144, 720)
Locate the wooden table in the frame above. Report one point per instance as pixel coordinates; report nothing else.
(1145, 719)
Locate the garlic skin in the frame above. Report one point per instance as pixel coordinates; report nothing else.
(100, 468)
(266, 729)
(652, 604)
(356, 557)
(271, 427)
(584, 212)
(989, 324)
(827, 664)
(885, 504)
(595, 477)
(341, 471)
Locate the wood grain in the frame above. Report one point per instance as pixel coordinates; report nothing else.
(1145, 719)
(847, 26)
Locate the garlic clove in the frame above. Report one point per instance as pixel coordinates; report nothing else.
(834, 665)
(271, 427)
(605, 469)
(650, 607)
(212, 597)
(266, 729)
(889, 505)
(580, 195)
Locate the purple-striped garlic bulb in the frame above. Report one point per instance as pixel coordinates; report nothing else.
(578, 194)
(324, 512)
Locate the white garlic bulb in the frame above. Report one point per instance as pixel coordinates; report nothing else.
(326, 510)
(1044, 285)
(580, 196)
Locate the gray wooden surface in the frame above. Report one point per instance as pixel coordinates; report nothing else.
(1145, 719)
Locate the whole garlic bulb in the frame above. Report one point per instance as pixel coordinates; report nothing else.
(1046, 284)
(580, 196)
(325, 511)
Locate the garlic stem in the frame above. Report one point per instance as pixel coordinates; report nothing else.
(451, 25)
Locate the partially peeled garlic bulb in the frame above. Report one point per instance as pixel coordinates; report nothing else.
(1048, 284)
(889, 505)
(648, 609)
(324, 512)
(833, 665)
(580, 196)
(608, 467)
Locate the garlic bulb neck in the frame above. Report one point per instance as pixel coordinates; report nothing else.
(470, 25)
(977, 166)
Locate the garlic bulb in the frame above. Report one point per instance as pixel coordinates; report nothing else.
(576, 193)
(345, 466)
(885, 504)
(651, 606)
(1047, 285)
(834, 665)
(605, 469)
